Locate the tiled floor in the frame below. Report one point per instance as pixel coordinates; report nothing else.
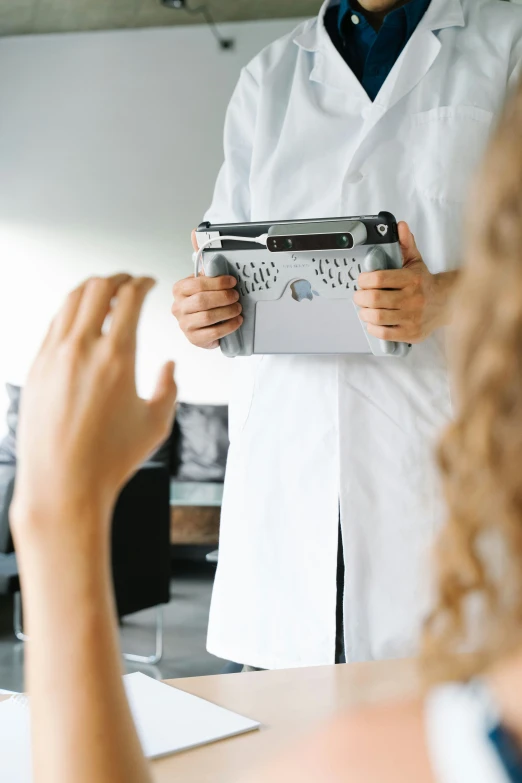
(186, 620)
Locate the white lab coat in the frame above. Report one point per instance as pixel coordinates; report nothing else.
(312, 434)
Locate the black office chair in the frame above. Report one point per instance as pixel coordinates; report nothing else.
(140, 554)
(10, 583)
(141, 549)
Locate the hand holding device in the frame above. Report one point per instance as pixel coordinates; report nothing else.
(207, 309)
(406, 304)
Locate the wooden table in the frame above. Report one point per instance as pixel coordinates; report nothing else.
(195, 512)
(287, 703)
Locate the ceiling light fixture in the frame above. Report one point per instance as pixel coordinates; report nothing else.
(204, 11)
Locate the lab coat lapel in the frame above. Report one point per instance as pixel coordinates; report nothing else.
(328, 67)
(411, 67)
(418, 56)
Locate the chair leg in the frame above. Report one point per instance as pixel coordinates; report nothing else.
(17, 620)
(148, 659)
(158, 655)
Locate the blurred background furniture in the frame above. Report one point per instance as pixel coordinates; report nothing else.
(199, 453)
(169, 509)
(140, 536)
(141, 549)
(8, 467)
(9, 581)
(10, 584)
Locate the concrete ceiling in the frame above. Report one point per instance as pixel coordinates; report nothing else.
(20, 17)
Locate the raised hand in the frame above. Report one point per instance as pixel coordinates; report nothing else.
(83, 428)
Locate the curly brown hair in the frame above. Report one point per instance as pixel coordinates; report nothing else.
(478, 615)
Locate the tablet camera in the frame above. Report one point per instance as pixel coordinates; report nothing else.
(343, 240)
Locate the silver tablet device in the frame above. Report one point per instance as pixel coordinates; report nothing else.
(296, 281)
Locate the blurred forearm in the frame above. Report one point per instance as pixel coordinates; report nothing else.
(81, 723)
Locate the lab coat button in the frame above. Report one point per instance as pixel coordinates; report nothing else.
(355, 178)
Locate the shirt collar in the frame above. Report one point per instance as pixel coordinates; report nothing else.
(412, 13)
(312, 36)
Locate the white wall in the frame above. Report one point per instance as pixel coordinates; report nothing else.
(109, 147)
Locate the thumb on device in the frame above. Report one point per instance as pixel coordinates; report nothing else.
(410, 251)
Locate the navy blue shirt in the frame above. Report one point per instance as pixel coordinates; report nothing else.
(508, 751)
(372, 54)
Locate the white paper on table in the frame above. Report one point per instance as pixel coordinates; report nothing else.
(15, 741)
(167, 720)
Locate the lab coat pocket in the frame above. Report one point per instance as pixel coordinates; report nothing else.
(447, 146)
(243, 382)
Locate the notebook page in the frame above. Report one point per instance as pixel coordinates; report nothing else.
(169, 720)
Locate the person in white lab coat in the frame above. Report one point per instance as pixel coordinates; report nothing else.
(371, 106)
